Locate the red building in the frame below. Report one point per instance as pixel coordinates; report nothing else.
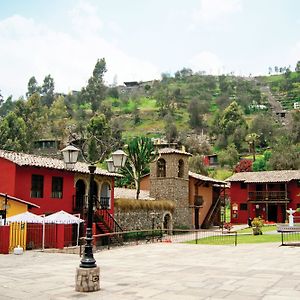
(265, 194)
(47, 183)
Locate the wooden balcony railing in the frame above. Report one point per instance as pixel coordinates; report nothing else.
(267, 196)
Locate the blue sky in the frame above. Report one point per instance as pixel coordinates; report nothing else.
(141, 39)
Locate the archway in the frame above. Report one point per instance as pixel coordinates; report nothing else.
(80, 195)
(167, 222)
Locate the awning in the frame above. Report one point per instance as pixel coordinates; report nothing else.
(26, 217)
(62, 217)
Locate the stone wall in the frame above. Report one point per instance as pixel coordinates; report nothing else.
(142, 219)
(139, 219)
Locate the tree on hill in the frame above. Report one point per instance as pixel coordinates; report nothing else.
(94, 92)
(196, 165)
(297, 68)
(13, 133)
(32, 87)
(285, 156)
(229, 156)
(47, 91)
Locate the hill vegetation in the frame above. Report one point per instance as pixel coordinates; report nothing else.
(226, 114)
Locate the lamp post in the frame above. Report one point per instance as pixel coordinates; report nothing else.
(87, 277)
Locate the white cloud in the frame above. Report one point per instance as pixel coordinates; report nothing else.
(208, 62)
(214, 10)
(28, 48)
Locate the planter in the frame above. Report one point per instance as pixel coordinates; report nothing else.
(256, 231)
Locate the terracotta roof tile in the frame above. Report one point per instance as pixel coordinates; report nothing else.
(171, 151)
(23, 159)
(206, 178)
(266, 176)
(131, 194)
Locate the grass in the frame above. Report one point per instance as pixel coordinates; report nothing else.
(263, 229)
(241, 239)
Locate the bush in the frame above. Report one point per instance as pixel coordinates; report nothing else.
(257, 223)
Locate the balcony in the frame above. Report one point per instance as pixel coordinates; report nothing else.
(271, 196)
(80, 203)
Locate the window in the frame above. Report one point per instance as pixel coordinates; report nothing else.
(37, 186)
(180, 168)
(57, 187)
(161, 168)
(243, 206)
(105, 196)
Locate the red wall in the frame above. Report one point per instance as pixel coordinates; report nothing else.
(7, 177)
(238, 196)
(47, 204)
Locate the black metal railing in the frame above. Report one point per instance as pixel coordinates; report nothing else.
(215, 237)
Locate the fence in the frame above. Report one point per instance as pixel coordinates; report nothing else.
(109, 240)
(290, 236)
(34, 236)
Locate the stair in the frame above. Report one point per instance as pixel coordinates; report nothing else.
(105, 223)
(212, 213)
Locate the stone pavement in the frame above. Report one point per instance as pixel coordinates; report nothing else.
(160, 271)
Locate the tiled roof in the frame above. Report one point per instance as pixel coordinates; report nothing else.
(23, 159)
(30, 204)
(265, 177)
(171, 151)
(206, 178)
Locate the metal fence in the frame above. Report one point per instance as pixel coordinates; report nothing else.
(110, 240)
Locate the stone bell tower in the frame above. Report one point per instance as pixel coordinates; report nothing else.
(169, 180)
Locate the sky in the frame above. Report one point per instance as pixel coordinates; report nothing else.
(142, 39)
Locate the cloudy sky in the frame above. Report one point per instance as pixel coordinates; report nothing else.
(141, 39)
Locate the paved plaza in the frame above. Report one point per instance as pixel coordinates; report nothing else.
(159, 271)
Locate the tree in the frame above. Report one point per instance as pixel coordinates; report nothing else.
(47, 90)
(1, 99)
(297, 68)
(296, 126)
(196, 165)
(94, 93)
(252, 139)
(35, 116)
(285, 155)
(32, 87)
(140, 152)
(58, 117)
(196, 111)
(229, 156)
(13, 133)
(170, 129)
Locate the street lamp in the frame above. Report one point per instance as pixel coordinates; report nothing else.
(87, 277)
(116, 161)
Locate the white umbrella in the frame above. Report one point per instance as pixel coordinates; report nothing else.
(63, 217)
(26, 217)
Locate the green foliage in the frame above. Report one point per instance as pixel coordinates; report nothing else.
(140, 152)
(229, 157)
(47, 90)
(94, 92)
(196, 165)
(13, 133)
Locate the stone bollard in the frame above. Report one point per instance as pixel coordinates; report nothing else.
(87, 280)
